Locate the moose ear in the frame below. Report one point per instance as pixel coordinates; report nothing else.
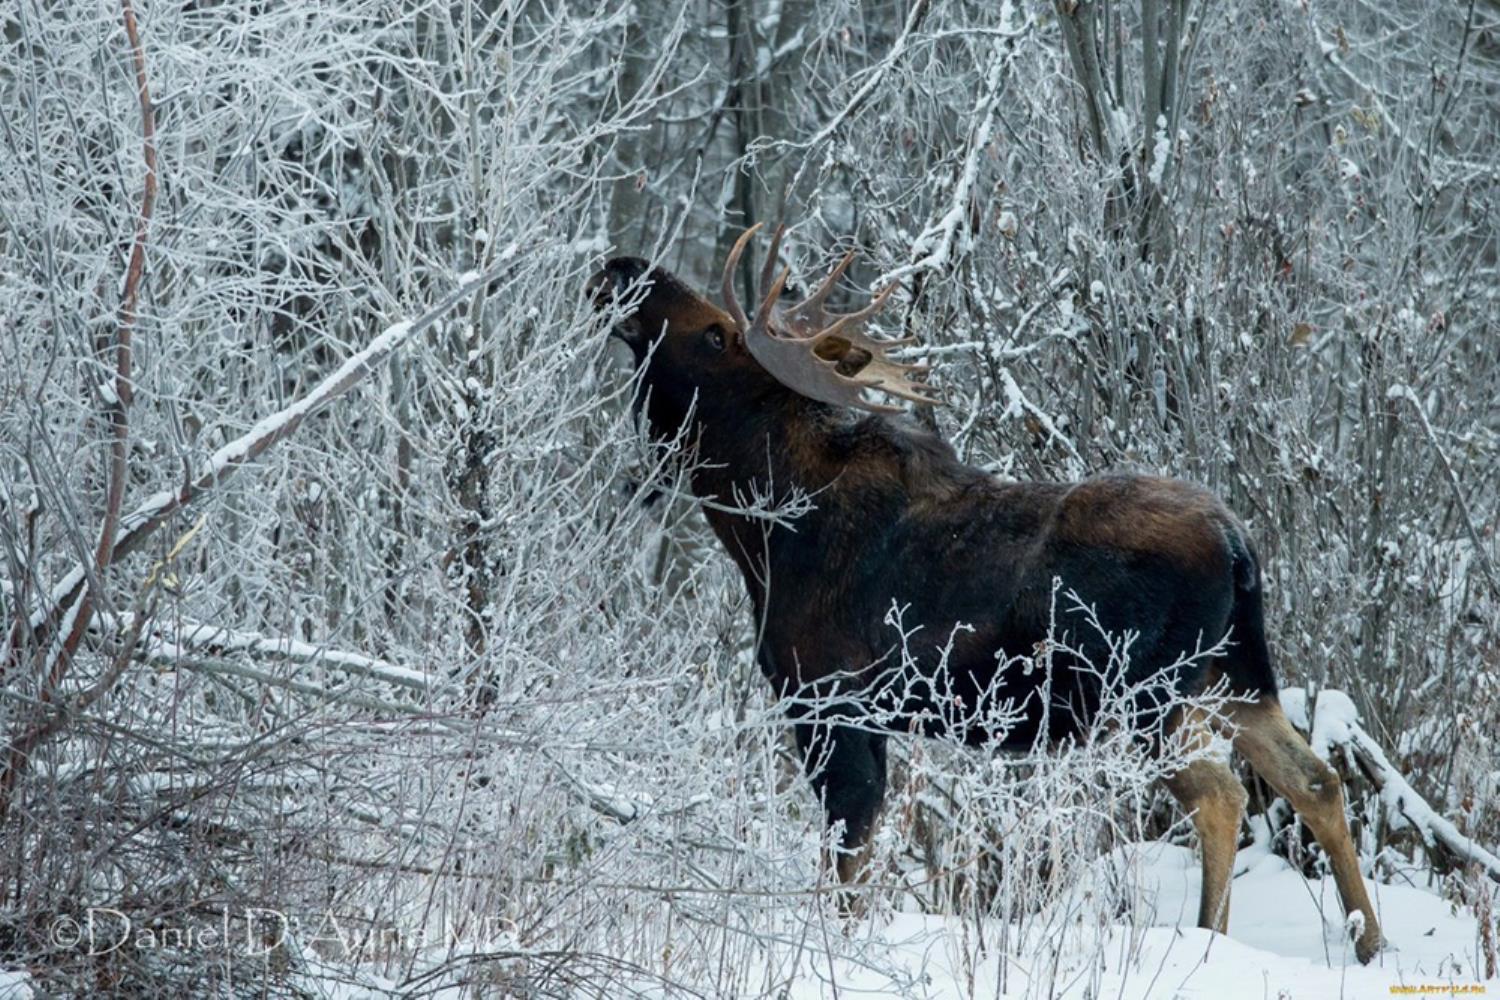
(614, 278)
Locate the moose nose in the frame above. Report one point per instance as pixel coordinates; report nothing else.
(614, 277)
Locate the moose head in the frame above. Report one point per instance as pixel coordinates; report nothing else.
(696, 354)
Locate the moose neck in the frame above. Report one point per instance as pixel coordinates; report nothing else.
(770, 452)
(771, 447)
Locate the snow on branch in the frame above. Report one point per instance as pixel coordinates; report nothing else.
(934, 248)
(1335, 727)
(198, 638)
(166, 653)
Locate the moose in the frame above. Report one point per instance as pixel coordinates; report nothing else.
(777, 403)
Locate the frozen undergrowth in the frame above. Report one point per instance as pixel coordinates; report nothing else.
(1283, 941)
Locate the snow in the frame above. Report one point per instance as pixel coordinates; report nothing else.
(15, 985)
(1294, 706)
(1288, 935)
(1161, 151)
(1335, 718)
(1286, 939)
(56, 595)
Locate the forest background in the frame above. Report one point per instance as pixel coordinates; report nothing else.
(338, 580)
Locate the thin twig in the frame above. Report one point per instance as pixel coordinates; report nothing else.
(1481, 552)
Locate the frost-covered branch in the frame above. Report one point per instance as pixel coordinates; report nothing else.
(933, 248)
(151, 513)
(1335, 731)
(205, 640)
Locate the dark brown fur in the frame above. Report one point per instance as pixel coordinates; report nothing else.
(1139, 514)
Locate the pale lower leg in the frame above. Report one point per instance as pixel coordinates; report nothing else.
(1209, 791)
(1281, 756)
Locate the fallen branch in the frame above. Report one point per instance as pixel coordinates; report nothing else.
(1335, 728)
(164, 653)
(196, 639)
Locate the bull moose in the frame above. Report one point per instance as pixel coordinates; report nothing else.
(894, 514)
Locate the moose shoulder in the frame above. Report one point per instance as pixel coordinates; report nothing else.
(896, 517)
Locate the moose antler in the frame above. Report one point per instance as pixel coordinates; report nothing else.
(822, 355)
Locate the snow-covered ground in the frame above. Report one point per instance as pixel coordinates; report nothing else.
(15, 986)
(1284, 941)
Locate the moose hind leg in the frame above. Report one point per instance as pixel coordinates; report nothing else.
(1209, 791)
(1281, 756)
(847, 768)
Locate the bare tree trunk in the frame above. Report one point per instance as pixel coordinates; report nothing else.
(744, 106)
(627, 215)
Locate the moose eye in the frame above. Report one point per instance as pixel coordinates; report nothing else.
(714, 337)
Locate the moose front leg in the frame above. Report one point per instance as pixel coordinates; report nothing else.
(1208, 790)
(847, 768)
